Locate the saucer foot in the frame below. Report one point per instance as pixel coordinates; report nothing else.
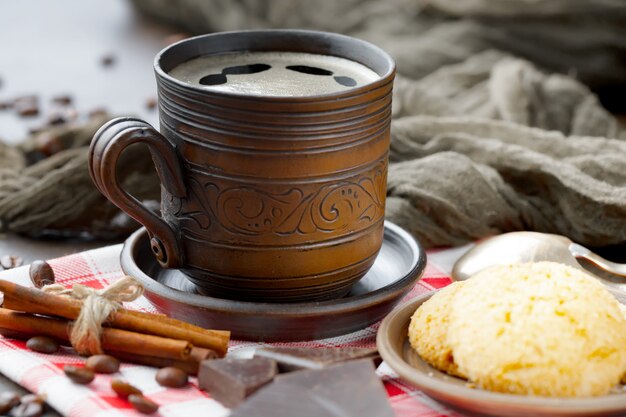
(337, 284)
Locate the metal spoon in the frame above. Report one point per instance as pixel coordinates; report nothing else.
(531, 247)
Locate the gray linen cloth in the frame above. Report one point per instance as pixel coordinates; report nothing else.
(494, 128)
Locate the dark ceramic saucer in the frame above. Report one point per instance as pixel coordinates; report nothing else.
(397, 268)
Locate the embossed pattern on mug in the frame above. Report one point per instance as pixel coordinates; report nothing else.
(293, 213)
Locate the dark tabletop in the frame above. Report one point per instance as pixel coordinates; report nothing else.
(56, 47)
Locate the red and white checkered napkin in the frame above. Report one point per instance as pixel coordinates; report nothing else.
(43, 374)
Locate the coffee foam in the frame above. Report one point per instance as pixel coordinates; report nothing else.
(274, 73)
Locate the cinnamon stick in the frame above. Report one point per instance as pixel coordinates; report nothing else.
(190, 365)
(174, 322)
(35, 301)
(216, 340)
(112, 339)
(14, 334)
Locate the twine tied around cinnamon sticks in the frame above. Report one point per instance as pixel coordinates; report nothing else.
(97, 305)
(134, 336)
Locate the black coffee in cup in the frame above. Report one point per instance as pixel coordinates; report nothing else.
(274, 73)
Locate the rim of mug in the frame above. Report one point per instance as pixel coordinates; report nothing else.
(383, 79)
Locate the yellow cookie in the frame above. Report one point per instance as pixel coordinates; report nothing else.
(540, 329)
(428, 330)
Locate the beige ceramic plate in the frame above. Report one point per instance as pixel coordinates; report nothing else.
(394, 348)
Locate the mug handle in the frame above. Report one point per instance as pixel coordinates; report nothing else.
(106, 147)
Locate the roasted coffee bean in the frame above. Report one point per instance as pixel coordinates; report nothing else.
(143, 404)
(41, 273)
(151, 103)
(26, 108)
(172, 377)
(81, 376)
(107, 60)
(4, 105)
(8, 400)
(28, 409)
(28, 111)
(42, 344)
(63, 99)
(102, 364)
(10, 261)
(123, 389)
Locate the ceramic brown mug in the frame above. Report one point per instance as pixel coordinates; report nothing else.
(264, 198)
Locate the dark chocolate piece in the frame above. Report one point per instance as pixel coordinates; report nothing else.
(296, 358)
(231, 380)
(348, 389)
